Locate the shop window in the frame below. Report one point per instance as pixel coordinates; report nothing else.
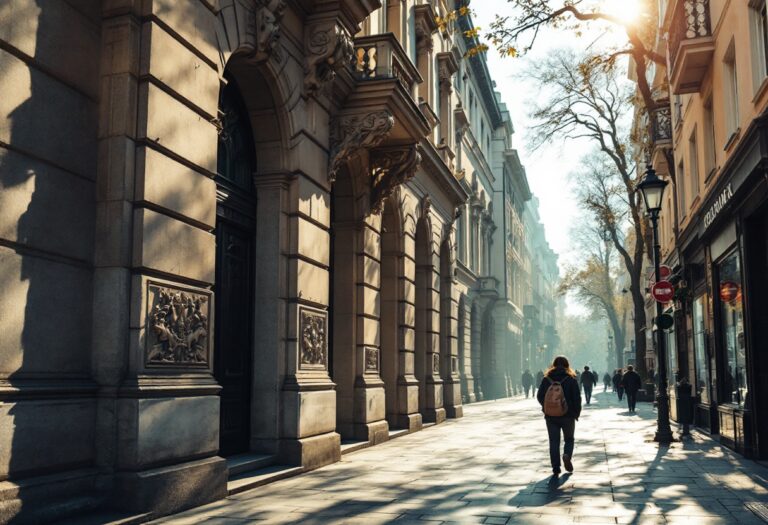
(700, 351)
(734, 383)
(759, 36)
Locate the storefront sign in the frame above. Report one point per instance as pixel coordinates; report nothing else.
(663, 291)
(717, 206)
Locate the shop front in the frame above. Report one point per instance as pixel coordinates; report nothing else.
(726, 269)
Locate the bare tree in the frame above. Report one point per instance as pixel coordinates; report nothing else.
(583, 100)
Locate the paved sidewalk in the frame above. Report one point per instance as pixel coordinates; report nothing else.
(492, 467)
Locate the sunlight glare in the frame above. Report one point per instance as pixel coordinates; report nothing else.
(628, 11)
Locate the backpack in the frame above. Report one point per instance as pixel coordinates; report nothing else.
(555, 404)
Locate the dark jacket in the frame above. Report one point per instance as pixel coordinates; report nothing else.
(631, 381)
(570, 390)
(607, 378)
(527, 379)
(617, 380)
(587, 379)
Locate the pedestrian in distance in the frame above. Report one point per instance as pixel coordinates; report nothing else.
(631, 383)
(587, 382)
(607, 380)
(527, 382)
(596, 377)
(617, 384)
(539, 377)
(560, 400)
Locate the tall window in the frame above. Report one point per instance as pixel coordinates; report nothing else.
(734, 384)
(693, 163)
(700, 350)
(759, 35)
(709, 139)
(730, 77)
(460, 247)
(681, 200)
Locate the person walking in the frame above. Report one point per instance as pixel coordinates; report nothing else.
(587, 381)
(617, 384)
(527, 382)
(539, 377)
(631, 383)
(560, 400)
(607, 380)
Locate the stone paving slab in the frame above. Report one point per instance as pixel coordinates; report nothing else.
(492, 467)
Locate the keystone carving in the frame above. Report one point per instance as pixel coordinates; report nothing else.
(313, 340)
(177, 327)
(329, 48)
(355, 132)
(391, 167)
(268, 16)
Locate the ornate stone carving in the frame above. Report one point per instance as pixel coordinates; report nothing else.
(435, 363)
(371, 359)
(313, 342)
(424, 42)
(354, 132)
(390, 168)
(177, 327)
(267, 18)
(329, 48)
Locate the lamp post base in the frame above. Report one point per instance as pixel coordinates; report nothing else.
(664, 437)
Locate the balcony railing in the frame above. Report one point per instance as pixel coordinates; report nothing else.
(661, 125)
(690, 44)
(380, 57)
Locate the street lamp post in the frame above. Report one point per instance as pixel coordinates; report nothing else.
(652, 188)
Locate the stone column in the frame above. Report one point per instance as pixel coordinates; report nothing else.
(449, 314)
(159, 410)
(408, 386)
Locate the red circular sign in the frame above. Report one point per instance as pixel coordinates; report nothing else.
(663, 291)
(729, 291)
(665, 272)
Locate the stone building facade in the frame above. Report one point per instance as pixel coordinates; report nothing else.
(707, 137)
(230, 227)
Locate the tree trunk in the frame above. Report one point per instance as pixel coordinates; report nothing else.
(638, 302)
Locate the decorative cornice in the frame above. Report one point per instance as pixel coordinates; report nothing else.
(447, 67)
(351, 133)
(329, 48)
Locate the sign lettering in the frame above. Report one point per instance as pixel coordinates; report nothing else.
(717, 206)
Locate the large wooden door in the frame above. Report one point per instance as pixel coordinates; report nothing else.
(235, 251)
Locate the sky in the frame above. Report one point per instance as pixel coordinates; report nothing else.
(548, 168)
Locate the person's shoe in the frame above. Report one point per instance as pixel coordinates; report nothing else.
(555, 472)
(567, 463)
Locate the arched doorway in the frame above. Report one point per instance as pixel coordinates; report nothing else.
(235, 251)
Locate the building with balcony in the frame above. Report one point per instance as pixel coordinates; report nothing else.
(235, 243)
(715, 215)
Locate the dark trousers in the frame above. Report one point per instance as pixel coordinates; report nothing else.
(554, 426)
(527, 389)
(588, 393)
(620, 392)
(631, 400)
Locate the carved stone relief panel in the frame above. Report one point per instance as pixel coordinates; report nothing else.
(177, 327)
(371, 359)
(313, 339)
(268, 15)
(435, 363)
